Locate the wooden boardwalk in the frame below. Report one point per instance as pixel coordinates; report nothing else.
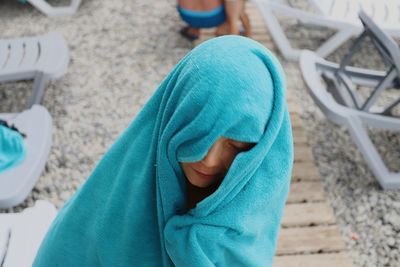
(309, 236)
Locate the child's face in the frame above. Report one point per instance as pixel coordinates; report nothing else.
(215, 164)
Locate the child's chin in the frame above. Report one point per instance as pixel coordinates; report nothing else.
(199, 183)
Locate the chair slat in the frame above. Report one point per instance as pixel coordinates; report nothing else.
(393, 9)
(16, 54)
(31, 53)
(340, 9)
(323, 6)
(352, 8)
(4, 53)
(367, 6)
(379, 12)
(384, 12)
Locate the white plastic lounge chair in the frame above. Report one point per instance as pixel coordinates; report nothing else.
(22, 233)
(41, 58)
(341, 102)
(341, 15)
(17, 182)
(313, 67)
(51, 11)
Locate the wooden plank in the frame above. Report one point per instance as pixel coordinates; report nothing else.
(257, 21)
(305, 171)
(314, 260)
(308, 214)
(290, 98)
(259, 25)
(256, 31)
(200, 40)
(293, 109)
(317, 239)
(252, 10)
(256, 35)
(299, 137)
(306, 192)
(259, 37)
(263, 39)
(296, 121)
(303, 153)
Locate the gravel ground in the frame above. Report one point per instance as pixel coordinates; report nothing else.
(121, 50)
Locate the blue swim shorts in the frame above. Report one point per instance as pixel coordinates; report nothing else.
(203, 19)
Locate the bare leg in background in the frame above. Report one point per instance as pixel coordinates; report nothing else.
(235, 12)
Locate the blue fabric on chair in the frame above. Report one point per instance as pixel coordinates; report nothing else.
(130, 210)
(12, 148)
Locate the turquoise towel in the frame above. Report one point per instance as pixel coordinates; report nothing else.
(12, 148)
(129, 211)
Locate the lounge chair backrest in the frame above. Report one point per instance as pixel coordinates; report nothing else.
(31, 54)
(383, 11)
(41, 58)
(323, 6)
(386, 45)
(390, 53)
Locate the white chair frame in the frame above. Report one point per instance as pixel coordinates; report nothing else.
(346, 28)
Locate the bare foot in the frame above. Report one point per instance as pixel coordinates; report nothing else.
(193, 31)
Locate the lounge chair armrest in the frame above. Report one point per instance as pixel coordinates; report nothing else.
(304, 15)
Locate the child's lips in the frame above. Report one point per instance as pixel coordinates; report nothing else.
(204, 174)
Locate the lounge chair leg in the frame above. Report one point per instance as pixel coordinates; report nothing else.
(383, 84)
(39, 84)
(385, 178)
(335, 42)
(346, 92)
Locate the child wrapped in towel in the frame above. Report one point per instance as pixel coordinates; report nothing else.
(199, 178)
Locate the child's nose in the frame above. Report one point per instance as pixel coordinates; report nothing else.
(212, 157)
